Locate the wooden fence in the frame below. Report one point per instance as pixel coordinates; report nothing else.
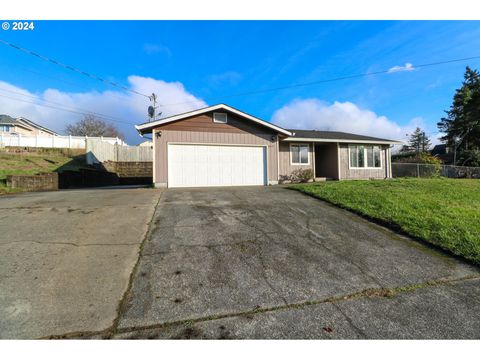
(101, 151)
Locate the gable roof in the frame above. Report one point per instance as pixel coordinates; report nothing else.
(336, 136)
(7, 120)
(439, 149)
(23, 122)
(147, 127)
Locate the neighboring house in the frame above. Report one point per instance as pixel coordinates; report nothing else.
(22, 126)
(440, 149)
(222, 146)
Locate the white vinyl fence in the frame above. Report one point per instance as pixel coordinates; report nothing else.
(71, 142)
(101, 151)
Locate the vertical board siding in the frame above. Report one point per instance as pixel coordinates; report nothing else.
(285, 167)
(347, 173)
(202, 137)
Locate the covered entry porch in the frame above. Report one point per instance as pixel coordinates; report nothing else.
(326, 161)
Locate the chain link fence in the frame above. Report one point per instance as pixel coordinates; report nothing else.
(429, 170)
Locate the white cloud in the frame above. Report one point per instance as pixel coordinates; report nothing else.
(156, 48)
(315, 114)
(406, 67)
(123, 106)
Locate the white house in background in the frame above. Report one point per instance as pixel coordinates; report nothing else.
(22, 126)
(21, 132)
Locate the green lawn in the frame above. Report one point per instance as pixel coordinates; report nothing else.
(444, 212)
(40, 161)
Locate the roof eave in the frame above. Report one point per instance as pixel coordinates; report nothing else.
(351, 141)
(147, 127)
(32, 125)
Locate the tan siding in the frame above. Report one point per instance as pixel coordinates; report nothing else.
(285, 167)
(201, 137)
(347, 173)
(32, 132)
(204, 123)
(22, 131)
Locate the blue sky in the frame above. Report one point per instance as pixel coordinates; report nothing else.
(191, 62)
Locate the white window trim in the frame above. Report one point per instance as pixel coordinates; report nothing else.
(365, 158)
(291, 154)
(220, 122)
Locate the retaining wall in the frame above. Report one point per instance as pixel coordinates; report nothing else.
(41, 182)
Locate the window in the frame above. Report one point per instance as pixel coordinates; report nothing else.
(299, 154)
(220, 118)
(362, 156)
(5, 128)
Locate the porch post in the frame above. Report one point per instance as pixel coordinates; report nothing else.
(390, 162)
(338, 162)
(313, 161)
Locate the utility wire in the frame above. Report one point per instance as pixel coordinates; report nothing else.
(107, 117)
(253, 92)
(260, 91)
(71, 68)
(59, 108)
(69, 82)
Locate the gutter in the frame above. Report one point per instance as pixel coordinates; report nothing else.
(351, 141)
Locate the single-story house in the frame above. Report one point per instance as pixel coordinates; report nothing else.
(22, 126)
(222, 146)
(440, 149)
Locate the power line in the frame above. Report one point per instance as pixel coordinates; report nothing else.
(69, 82)
(71, 68)
(59, 108)
(252, 92)
(55, 78)
(107, 117)
(248, 93)
(348, 77)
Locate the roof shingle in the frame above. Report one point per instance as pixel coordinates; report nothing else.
(333, 135)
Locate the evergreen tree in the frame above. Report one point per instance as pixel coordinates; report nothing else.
(462, 123)
(419, 142)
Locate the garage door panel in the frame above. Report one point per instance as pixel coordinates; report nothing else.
(216, 165)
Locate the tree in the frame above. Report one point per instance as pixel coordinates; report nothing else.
(462, 123)
(92, 126)
(469, 157)
(418, 142)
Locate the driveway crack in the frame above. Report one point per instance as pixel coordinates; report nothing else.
(314, 237)
(65, 243)
(349, 320)
(366, 293)
(260, 232)
(265, 276)
(123, 304)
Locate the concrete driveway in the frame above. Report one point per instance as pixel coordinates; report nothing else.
(274, 263)
(257, 262)
(66, 258)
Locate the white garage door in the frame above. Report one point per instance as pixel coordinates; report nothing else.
(216, 165)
